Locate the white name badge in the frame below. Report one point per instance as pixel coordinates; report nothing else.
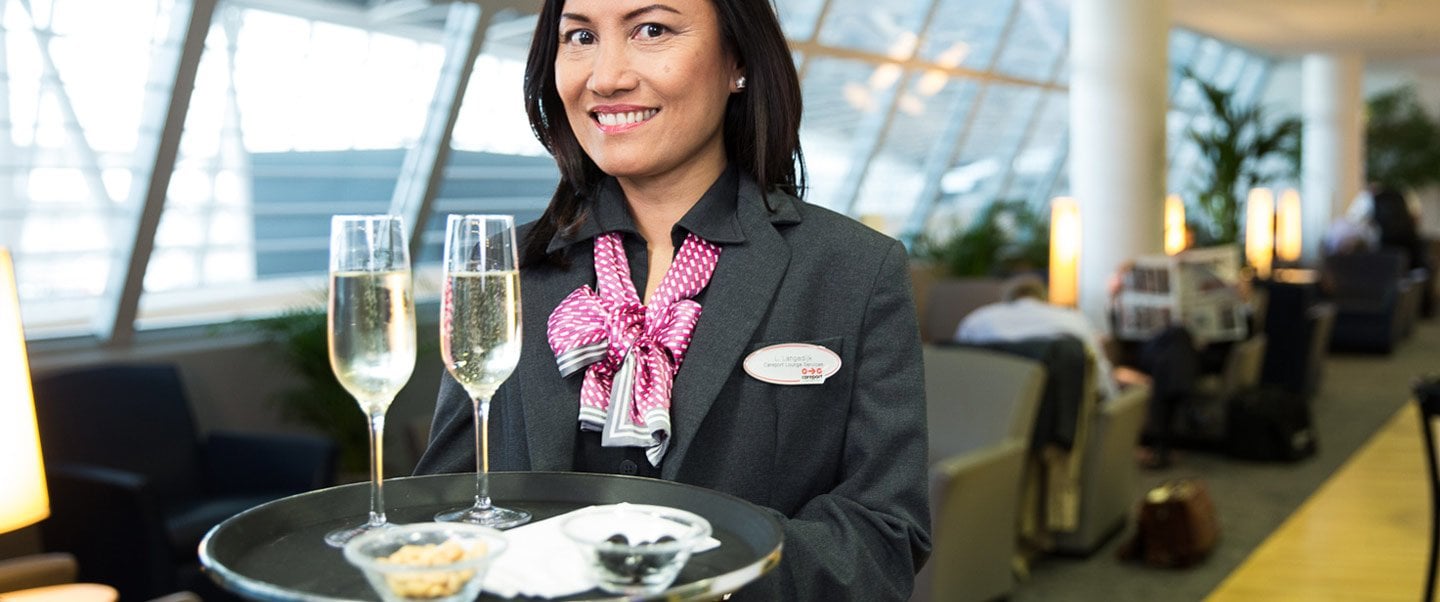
(792, 364)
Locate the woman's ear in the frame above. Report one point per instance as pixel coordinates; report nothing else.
(738, 78)
(737, 75)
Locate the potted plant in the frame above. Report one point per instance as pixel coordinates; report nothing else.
(320, 403)
(1402, 140)
(1007, 237)
(1234, 149)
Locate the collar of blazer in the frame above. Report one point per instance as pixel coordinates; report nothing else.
(736, 300)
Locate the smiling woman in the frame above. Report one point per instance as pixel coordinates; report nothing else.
(674, 258)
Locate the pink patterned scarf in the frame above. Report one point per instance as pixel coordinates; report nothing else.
(632, 350)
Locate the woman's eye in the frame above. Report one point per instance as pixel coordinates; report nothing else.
(580, 36)
(651, 31)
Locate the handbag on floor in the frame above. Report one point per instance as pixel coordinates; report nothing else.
(1177, 526)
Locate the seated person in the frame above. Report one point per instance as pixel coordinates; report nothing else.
(1353, 231)
(1024, 314)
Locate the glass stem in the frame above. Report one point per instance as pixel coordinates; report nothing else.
(377, 469)
(482, 454)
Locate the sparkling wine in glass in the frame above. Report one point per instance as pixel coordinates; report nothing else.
(480, 337)
(371, 331)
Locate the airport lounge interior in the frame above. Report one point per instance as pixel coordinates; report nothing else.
(1133, 300)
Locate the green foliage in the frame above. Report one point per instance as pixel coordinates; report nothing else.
(1007, 236)
(1233, 152)
(321, 403)
(1402, 141)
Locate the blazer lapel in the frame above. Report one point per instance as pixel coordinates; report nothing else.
(551, 407)
(736, 300)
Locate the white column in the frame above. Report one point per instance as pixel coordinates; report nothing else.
(1117, 136)
(1332, 173)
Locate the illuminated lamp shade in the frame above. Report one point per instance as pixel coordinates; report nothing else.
(1064, 251)
(23, 500)
(1287, 230)
(1260, 230)
(1174, 224)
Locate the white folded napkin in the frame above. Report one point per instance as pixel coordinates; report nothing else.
(541, 561)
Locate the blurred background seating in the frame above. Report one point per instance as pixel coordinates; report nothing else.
(134, 486)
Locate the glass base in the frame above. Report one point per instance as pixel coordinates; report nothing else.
(494, 517)
(339, 537)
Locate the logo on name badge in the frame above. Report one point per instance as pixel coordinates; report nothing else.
(792, 364)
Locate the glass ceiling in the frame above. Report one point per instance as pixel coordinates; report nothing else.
(917, 113)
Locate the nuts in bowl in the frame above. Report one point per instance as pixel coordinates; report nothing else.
(434, 562)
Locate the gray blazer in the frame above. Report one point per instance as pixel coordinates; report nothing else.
(842, 464)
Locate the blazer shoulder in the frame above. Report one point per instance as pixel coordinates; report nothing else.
(837, 233)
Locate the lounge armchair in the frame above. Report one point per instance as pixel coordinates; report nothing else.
(1375, 300)
(134, 486)
(981, 407)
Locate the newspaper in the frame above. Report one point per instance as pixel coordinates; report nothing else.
(1197, 288)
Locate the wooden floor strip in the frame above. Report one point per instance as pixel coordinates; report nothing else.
(1363, 536)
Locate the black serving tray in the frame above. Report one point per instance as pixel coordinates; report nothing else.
(276, 551)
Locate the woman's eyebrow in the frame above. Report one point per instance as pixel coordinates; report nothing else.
(630, 16)
(639, 12)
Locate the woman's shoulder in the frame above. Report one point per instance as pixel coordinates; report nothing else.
(828, 226)
(835, 231)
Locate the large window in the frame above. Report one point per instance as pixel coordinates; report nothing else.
(917, 112)
(292, 120)
(83, 86)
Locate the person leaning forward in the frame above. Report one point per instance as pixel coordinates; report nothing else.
(677, 217)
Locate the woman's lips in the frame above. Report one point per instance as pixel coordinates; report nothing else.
(616, 121)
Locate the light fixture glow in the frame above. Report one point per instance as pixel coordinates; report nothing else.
(1064, 251)
(1260, 230)
(23, 498)
(1288, 229)
(1174, 224)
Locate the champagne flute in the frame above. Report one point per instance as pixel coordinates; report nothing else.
(371, 331)
(480, 338)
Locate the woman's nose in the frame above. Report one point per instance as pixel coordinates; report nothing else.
(611, 72)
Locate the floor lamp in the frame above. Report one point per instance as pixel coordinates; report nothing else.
(24, 500)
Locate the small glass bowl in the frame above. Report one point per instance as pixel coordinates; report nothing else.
(435, 562)
(635, 549)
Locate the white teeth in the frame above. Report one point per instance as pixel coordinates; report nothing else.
(632, 117)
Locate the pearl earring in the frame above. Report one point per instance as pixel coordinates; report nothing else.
(740, 83)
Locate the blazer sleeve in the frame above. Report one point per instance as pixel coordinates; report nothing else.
(867, 537)
(452, 430)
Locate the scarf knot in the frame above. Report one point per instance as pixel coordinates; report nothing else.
(630, 352)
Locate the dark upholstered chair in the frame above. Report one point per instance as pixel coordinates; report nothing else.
(133, 487)
(1298, 327)
(1375, 300)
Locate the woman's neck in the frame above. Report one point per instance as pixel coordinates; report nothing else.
(658, 202)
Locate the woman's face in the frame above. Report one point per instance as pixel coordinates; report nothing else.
(644, 83)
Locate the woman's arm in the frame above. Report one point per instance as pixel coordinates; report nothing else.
(868, 536)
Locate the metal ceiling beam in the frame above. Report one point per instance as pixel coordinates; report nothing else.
(814, 36)
(89, 160)
(424, 167)
(952, 138)
(876, 129)
(1033, 125)
(864, 56)
(115, 322)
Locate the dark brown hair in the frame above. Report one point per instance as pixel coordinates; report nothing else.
(762, 123)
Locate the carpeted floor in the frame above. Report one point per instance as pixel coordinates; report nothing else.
(1358, 395)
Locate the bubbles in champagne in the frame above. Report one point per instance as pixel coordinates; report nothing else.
(372, 335)
(480, 329)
